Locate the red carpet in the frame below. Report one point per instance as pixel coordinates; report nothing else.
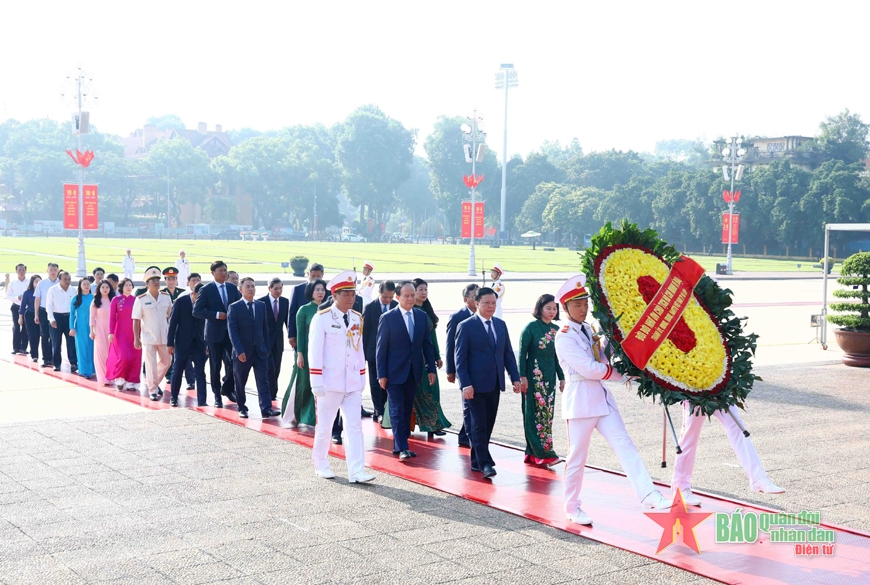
(537, 494)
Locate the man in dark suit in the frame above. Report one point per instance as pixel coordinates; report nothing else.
(186, 343)
(371, 316)
(248, 327)
(278, 309)
(212, 304)
(455, 319)
(403, 344)
(298, 300)
(483, 353)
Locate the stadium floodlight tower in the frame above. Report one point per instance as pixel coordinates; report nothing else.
(505, 79)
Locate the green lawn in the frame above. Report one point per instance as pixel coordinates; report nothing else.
(266, 257)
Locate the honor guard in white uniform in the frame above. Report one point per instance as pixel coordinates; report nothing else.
(129, 265)
(151, 330)
(338, 373)
(498, 286)
(588, 405)
(743, 448)
(367, 285)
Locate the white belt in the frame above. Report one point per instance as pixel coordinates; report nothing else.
(576, 378)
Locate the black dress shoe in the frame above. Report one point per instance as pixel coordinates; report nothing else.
(405, 455)
(73, 369)
(190, 387)
(488, 471)
(201, 404)
(336, 439)
(35, 360)
(173, 402)
(47, 364)
(270, 412)
(473, 468)
(231, 397)
(159, 392)
(154, 396)
(57, 369)
(218, 403)
(243, 414)
(365, 413)
(15, 352)
(464, 444)
(440, 433)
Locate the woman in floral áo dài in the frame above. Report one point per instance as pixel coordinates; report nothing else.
(539, 372)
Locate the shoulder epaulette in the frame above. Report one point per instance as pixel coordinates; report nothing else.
(322, 311)
(357, 312)
(142, 295)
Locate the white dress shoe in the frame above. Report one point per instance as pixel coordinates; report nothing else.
(361, 478)
(325, 473)
(689, 498)
(657, 501)
(767, 487)
(580, 517)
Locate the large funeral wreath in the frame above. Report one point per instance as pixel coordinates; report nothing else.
(706, 359)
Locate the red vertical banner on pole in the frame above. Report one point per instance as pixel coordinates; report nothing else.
(70, 206)
(91, 214)
(735, 227)
(466, 219)
(478, 219)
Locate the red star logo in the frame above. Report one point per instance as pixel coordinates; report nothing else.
(678, 520)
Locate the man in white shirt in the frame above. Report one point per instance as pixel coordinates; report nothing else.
(129, 265)
(151, 330)
(57, 307)
(183, 267)
(40, 317)
(14, 291)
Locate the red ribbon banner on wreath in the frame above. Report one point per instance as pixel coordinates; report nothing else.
(663, 312)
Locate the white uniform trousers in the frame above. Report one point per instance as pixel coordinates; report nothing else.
(128, 274)
(743, 448)
(157, 362)
(354, 446)
(613, 430)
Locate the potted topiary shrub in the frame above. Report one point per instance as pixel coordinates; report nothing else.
(298, 264)
(853, 333)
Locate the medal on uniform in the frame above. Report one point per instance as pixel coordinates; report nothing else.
(353, 338)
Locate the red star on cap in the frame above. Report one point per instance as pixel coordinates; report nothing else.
(678, 520)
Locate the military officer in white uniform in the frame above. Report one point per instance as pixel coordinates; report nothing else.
(338, 373)
(587, 405)
(743, 448)
(151, 330)
(367, 285)
(498, 286)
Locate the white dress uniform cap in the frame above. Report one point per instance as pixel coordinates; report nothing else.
(497, 268)
(573, 288)
(152, 273)
(369, 265)
(343, 281)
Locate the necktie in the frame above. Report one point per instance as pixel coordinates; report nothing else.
(583, 329)
(346, 320)
(491, 334)
(275, 308)
(251, 308)
(224, 295)
(410, 320)
(383, 308)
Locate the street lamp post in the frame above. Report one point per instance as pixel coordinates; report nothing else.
(473, 132)
(505, 79)
(732, 154)
(80, 126)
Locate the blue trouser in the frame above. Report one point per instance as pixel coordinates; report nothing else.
(379, 397)
(261, 374)
(482, 410)
(401, 397)
(190, 359)
(57, 335)
(45, 335)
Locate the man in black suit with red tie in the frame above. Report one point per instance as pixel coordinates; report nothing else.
(371, 318)
(277, 312)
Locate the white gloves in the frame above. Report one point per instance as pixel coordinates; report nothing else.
(318, 391)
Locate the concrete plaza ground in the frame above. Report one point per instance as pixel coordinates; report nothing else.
(93, 490)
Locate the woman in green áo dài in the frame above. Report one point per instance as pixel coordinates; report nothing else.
(539, 374)
(304, 412)
(427, 403)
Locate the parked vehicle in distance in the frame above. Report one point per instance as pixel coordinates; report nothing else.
(227, 235)
(350, 237)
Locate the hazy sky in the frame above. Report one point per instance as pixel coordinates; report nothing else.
(614, 74)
